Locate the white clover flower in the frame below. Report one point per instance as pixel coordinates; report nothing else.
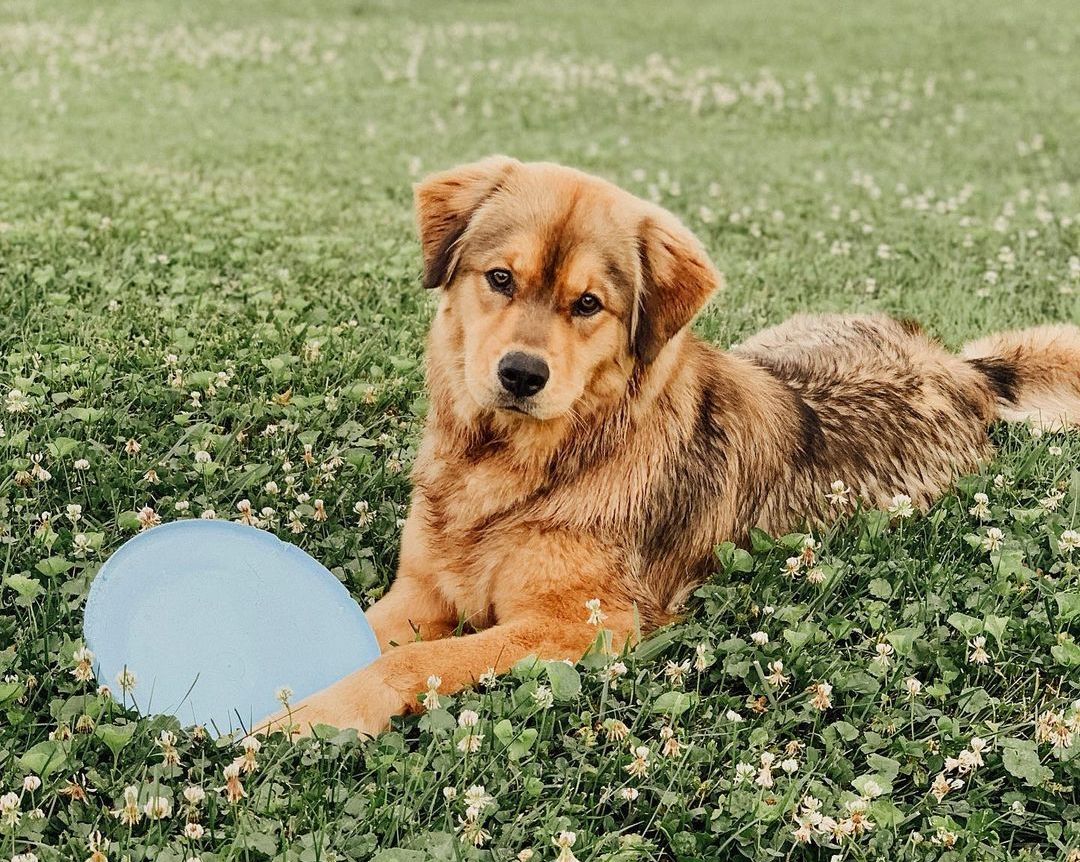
(703, 657)
(942, 786)
(543, 697)
(596, 617)
(564, 841)
(900, 506)
(776, 676)
(760, 638)
(431, 697)
(9, 809)
(614, 670)
(147, 518)
(822, 696)
(671, 746)
(883, 653)
(981, 509)
(16, 401)
(1069, 541)
(838, 492)
(676, 672)
(993, 539)
(639, 766)
(234, 789)
(157, 808)
(744, 772)
(362, 509)
(194, 794)
(127, 680)
(84, 664)
(978, 653)
(468, 718)
(477, 799)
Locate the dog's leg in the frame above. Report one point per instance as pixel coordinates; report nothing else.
(411, 610)
(543, 609)
(367, 699)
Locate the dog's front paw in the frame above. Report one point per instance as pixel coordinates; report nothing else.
(359, 701)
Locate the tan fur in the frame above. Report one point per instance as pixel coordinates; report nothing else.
(1047, 360)
(647, 447)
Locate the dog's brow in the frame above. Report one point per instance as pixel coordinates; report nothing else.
(618, 276)
(489, 235)
(559, 241)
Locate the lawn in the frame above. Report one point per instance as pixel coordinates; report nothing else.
(206, 246)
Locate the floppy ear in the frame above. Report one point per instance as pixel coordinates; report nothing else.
(444, 204)
(677, 278)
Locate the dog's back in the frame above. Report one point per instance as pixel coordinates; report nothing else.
(881, 407)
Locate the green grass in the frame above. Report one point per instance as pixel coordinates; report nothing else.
(230, 184)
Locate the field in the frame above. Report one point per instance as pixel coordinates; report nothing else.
(210, 305)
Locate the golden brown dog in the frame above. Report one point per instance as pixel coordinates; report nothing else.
(583, 444)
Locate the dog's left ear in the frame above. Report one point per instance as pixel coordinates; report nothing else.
(677, 278)
(445, 203)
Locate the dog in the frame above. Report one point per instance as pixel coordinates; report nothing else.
(583, 444)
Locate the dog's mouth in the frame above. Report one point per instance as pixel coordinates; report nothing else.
(507, 403)
(514, 407)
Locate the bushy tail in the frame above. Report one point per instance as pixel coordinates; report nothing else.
(1035, 374)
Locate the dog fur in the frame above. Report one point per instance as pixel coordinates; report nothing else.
(646, 447)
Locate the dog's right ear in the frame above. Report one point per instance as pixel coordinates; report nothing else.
(445, 203)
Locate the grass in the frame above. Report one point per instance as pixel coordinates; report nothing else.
(206, 245)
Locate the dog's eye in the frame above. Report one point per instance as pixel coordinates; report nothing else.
(501, 281)
(587, 305)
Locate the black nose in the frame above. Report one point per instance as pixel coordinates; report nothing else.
(522, 374)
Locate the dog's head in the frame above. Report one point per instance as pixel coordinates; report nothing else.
(556, 284)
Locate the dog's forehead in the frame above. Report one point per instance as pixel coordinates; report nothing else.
(552, 224)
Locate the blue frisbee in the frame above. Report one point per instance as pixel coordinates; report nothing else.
(214, 618)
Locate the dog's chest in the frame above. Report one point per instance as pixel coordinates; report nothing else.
(471, 514)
